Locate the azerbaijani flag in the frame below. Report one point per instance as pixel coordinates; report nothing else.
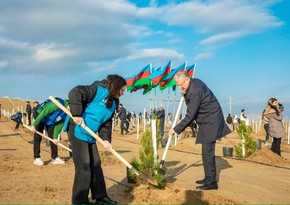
(155, 77)
(169, 80)
(142, 77)
(166, 71)
(172, 73)
(147, 88)
(130, 81)
(190, 70)
(142, 80)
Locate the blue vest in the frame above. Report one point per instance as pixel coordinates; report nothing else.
(53, 118)
(95, 115)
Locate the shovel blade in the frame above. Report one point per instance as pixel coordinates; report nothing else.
(145, 177)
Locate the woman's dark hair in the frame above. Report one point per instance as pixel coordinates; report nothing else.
(271, 100)
(115, 83)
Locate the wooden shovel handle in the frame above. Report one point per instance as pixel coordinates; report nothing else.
(42, 135)
(170, 136)
(94, 135)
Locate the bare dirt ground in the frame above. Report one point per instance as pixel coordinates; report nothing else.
(263, 178)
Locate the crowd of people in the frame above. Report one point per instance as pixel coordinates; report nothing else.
(272, 121)
(98, 106)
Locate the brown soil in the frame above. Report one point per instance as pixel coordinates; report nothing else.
(266, 156)
(108, 160)
(249, 181)
(144, 194)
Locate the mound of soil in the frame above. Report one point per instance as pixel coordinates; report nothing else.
(173, 194)
(266, 156)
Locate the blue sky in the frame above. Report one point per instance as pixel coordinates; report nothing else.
(241, 47)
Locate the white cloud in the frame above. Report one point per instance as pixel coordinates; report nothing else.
(66, 35)
(214, 17)
(221, 37)
(150, 12)
(3, 64)
(94, 30)
(102, 66)
(51, 52)
(13, 44)
(47, 54)
(203, 56)
(156, 53)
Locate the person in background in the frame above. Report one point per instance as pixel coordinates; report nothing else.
(265, 121)
(17, 117)
(128, 120)
(36, 137)
(50, 118)
(161, 117)
(244, 118)
(122, 115)
(28, 112)
(140, 117)
(133, 118)
(170, 119)
(204, 108)
(276, 130)
(229, 121)
(93, 106)
(235, 122)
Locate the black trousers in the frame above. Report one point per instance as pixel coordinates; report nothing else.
(209, 165)
(88, 171)
(37, 140)
(18, 122)
(276, 146)
(29, 118)
(123, 126)
(161, 127)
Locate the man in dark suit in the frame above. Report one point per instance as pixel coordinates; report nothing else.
(204, 108)
(28, 112)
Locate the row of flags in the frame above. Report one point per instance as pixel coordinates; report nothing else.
(149, 78)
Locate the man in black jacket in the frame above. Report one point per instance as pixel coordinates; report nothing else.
(204, 108)
(28, 112)
(122, 115)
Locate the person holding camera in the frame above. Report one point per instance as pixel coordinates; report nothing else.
(274, 113)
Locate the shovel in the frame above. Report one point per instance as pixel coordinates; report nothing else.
(143, 176)
(169, 137)
(42, 135)
(131, 123)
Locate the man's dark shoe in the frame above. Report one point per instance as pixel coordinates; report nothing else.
(105, 200)
(200, 181)
(207, 187)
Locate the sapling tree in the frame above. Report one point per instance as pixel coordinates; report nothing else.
(145, 161)
(249, 144)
